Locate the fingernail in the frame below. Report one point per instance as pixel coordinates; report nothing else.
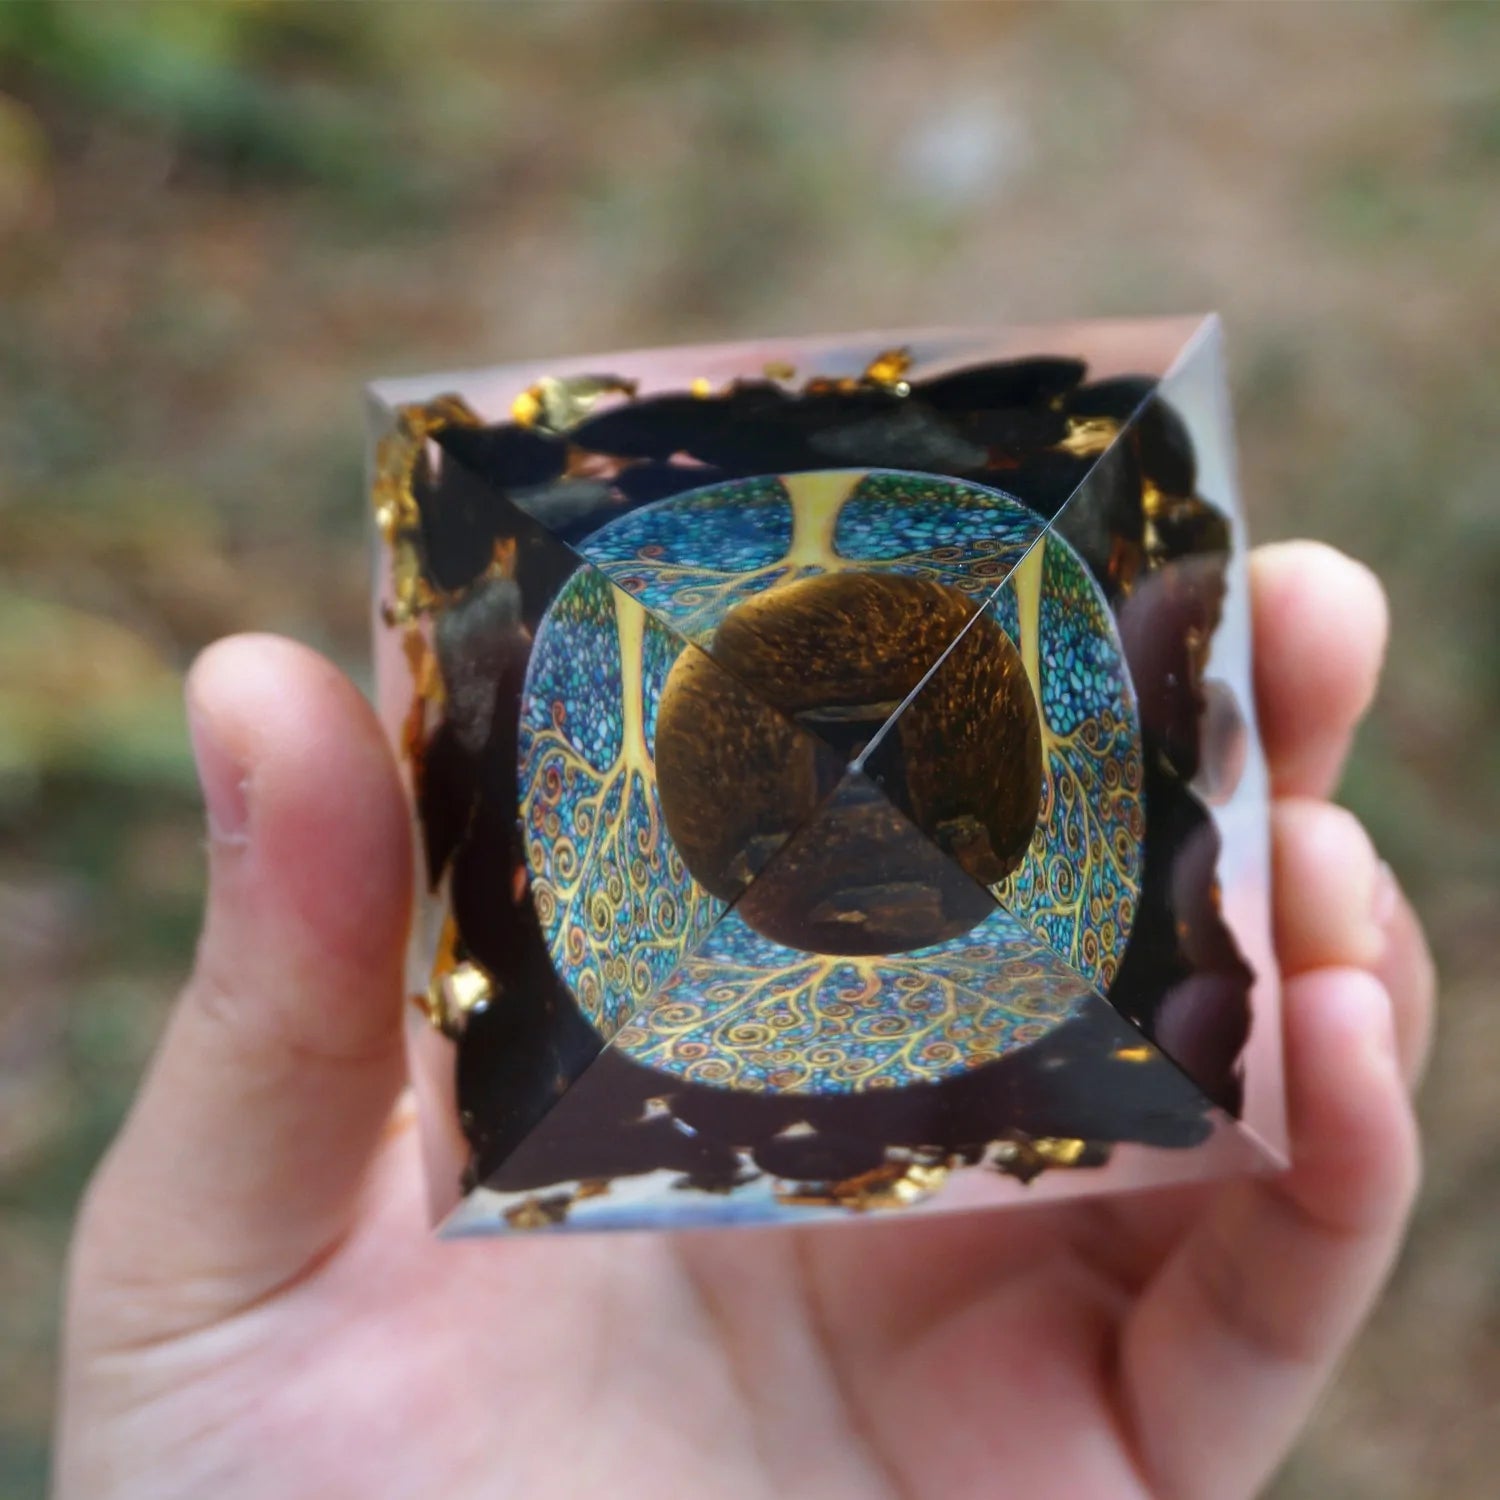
(1384, 897)
(223, 782)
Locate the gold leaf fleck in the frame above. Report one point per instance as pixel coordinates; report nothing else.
(395, 505)
(888, 369)
(457, 987)
(1059, 1151)
(526, 409)
(539, 1213)
(895, 1184)
(456, 995)
(559, 403)
(1027, 1157)
(1088, 437)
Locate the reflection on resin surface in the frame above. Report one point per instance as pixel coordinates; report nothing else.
(813, 775)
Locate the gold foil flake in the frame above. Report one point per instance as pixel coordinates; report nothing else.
(1059, 1151)
(702, 387)
(888, 370)
(1154, 505)
(1088, 437)
(412, 593)
(779, 369)
(457, 995)
(448, 410)
(527, 408)
(387, 521)
(446, 957)
(457, 988)
(539, 1213)
(1134, 1054)
(395, 505)
(414, 732)
(468, 988)
(1027, 1157)
(895, 1184)
(422, 663)
(397, 453)
(559, 403)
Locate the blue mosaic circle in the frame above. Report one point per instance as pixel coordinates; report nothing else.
(652, 958)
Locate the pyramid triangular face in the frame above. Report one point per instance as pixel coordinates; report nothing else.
(562, 696)
(697, 504)
(756, 698)
(1199, 972)
(863, 958)
(794, 1062)
(619, 1153)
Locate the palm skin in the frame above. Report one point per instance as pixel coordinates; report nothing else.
(257, 1307)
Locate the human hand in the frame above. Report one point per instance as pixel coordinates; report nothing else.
(257, 1309)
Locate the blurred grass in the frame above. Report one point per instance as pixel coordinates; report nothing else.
(217, 220)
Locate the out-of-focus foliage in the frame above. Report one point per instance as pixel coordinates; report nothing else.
(221, 78)
(217, 219)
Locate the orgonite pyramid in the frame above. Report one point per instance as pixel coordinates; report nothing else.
(835, 771)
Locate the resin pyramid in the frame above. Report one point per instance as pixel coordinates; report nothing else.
(836, 771)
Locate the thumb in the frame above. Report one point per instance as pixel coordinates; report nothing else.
(240, 1162)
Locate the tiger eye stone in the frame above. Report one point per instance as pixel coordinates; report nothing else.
(837, 656)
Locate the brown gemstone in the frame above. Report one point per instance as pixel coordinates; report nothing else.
(836, 657)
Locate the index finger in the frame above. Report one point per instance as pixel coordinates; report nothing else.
(1320, 631)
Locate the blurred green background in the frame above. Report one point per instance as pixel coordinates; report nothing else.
(216, 220)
